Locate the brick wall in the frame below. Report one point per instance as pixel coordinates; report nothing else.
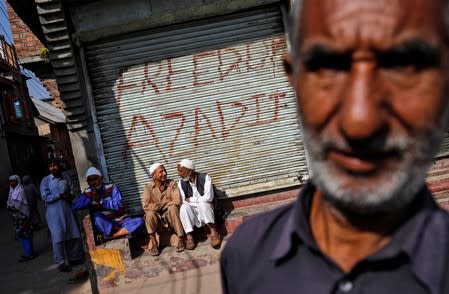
(27, 44)
(27, 48)
(52, 88)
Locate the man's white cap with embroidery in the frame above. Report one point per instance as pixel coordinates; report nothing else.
(92, 171)
(153, 167)
(187, 163)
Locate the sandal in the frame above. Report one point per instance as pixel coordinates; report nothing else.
(101, 239)
(154, 251)
(181, 245)
(215, 241)
(190, 244)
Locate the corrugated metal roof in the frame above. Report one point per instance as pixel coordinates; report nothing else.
(48, 112)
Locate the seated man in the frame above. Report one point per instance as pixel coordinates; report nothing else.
(197, 196)
(161, 202)
(105, 204)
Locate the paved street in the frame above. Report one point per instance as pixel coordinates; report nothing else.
(36, 276)
(195, 272)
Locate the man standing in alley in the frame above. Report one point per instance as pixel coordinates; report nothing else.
(57, 193)
(371, 78)
(161, 202)
(197, 207)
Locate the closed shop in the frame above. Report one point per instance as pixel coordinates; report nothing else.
(212, 90)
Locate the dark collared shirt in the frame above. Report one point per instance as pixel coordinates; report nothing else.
(275, 252)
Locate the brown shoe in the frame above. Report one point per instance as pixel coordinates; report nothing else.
(215, 241)
(154, 251)
(190, 244)
(181, 245)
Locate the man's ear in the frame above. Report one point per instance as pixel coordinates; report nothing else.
(288, 67)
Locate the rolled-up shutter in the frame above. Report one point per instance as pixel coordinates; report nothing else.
(213, 90)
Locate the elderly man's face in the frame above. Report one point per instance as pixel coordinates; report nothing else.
(95, 181)
(183, 172)
(371, 79)
(160, 174)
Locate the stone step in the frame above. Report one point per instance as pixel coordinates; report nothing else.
(237, 216)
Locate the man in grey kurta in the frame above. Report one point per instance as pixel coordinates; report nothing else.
(56, 191)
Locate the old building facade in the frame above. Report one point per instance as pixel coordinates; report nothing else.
(19, 140)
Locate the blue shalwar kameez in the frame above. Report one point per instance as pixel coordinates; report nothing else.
(108, 212)
(61, 220)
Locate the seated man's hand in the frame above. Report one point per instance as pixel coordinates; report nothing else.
(96, 198)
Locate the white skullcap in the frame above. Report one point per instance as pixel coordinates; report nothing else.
(14, 178)
(187, 163)
(92, 171)
(153, 167)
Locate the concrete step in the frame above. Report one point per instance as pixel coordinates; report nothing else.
(236, 217)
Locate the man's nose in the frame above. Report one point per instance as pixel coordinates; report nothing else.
(363, 113)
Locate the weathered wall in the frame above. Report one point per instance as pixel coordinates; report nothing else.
(52, 87)
(61, 140)
(84, 153)
(92, 21)
(27, 44)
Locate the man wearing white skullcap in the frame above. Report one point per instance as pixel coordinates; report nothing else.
(161, 201)
(93, 171)
(105, 204)
(197, 195)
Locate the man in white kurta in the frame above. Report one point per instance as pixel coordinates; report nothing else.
(57, 193)
(197, 209)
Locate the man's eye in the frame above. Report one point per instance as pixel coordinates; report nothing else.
(398, 63)
(332, 62)
(408, 62)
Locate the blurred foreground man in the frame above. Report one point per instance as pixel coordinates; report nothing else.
(371, 79)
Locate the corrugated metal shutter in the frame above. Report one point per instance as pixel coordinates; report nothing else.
(444, 148)
(212, 90)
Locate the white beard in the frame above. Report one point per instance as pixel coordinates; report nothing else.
(388, 190)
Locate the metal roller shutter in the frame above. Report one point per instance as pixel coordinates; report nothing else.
(444, 148)
(212, 90)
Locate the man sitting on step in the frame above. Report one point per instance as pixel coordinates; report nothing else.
(161, 201)
(197, 208)
(105, 204)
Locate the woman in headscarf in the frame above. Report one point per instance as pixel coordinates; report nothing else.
(18, 205)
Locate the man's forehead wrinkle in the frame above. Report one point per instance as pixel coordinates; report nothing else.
(342, 9)
(362, 20)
